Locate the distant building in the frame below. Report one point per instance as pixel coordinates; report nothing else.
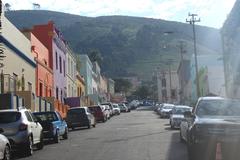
(71, 73)
(168, 87)
(231, 56)
(86, 72)
(211, 76)
(52, 38)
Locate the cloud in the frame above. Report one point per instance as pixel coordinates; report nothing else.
(164, 9)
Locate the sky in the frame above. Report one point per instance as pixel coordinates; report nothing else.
(212, 13)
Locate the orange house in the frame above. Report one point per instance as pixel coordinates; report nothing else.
(44, 74)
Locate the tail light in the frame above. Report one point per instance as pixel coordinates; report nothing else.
(23, 127)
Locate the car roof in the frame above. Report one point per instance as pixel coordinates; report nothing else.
(182, 106)
(78, 108)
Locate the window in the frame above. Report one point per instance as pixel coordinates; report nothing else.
(15, 79)
(56, 54)
(64, 71)
(164, 93)
(164, 83)
(173, 93)
(29, 118)
(40, 89)
(57, 92)
(60, 64)
(61, 95)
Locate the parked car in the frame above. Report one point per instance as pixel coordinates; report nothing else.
(165, 110)
(106, 110)
(22, 129)
(128, 106)
(123, 107)
(5, 147)
(214, 120)
(53, 125)
(80, 117)
(176, 115)
(110, 107)
(98, 113)
(116, 109)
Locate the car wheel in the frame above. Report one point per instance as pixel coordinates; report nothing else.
(89, 125)
(29, 146)
(65, 135)
(7, 153)
(56, 138)
(41, 143)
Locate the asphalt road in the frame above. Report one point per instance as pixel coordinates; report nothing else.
(139, 135)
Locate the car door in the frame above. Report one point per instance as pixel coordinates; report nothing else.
(37, 128)
(61, 124)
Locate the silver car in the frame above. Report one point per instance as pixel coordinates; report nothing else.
(5, 148)
(116, 109)
(22, 130)
(176, 115)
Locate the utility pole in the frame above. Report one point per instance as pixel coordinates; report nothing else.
(192, 22)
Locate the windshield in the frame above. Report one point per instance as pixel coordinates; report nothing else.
(46, 116)
(76, 111)
(180, 110)
(218, 108)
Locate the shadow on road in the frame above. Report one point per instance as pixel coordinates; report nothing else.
(177, 150)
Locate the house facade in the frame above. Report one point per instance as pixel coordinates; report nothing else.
(44, 74)
(18, 72)
(52, 38)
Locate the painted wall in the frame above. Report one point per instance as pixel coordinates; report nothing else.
(86, 72)
(19, 61)
(44, 74)
(71, 74)
(52, 38)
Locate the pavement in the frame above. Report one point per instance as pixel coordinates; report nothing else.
(138, 135)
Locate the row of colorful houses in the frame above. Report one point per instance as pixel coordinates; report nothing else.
(39, 61)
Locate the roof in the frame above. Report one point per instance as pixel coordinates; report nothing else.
(182, 106)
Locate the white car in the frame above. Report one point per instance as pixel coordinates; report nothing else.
(22, 128)
(116, 109)
(165, 110)
(106, 111)
(5, 148)
(176, 116)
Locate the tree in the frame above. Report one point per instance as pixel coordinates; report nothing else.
(122, 85)
(95, 55)
(142, 92)
(7, 7)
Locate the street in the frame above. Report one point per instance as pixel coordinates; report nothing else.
(139, 135)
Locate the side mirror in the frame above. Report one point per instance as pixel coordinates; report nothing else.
(187, 114)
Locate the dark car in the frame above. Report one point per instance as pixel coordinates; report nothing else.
(98, 113)
(80, 117)
(214, 125)
(53, 125)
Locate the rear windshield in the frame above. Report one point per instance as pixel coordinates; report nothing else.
(77, 111)
(9, 117)
(46, 116)
(95, 109)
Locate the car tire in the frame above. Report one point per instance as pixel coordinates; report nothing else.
(40, 145)
(7, 153)
(28, 150)
(56, 138)
(89, 125)
(65, 135)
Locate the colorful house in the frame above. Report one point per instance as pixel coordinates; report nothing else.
(86, 71)
(44, 74)
(18, 72)
(71, 74)
(52, 38)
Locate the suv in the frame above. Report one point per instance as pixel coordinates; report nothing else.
(80, 117)
(213, 121)
(22, 129)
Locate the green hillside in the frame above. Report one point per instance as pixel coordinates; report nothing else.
(129, 45)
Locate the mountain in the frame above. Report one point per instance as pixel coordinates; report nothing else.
(130, 46)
